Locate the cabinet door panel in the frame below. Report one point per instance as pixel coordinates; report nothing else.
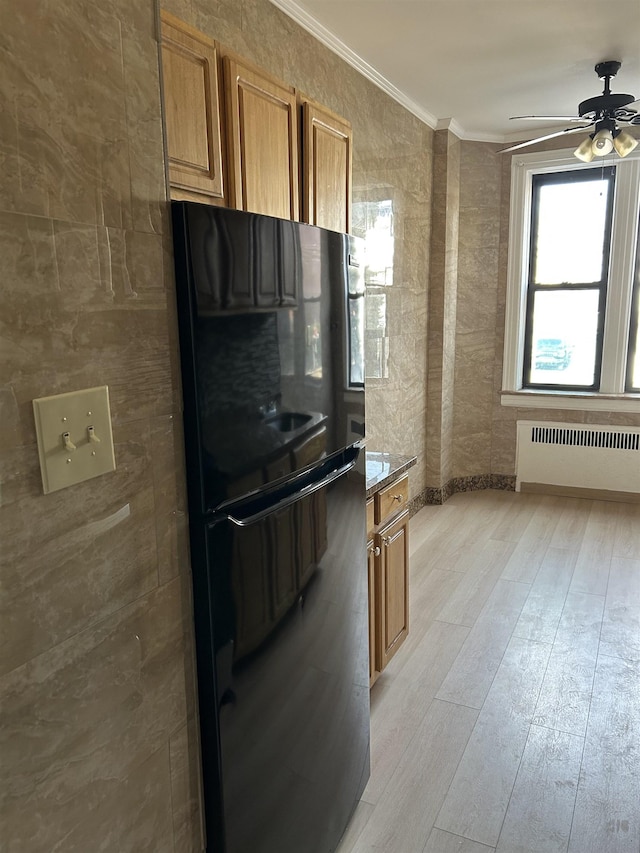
(263, 141)
(191, 105)
(327, 168)
(374, 668)
(394, 545)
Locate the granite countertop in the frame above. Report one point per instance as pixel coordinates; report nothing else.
(384, 468)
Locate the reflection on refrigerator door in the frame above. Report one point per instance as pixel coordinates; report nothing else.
(292, 669)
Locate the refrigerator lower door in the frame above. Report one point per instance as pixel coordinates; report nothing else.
(288, 593)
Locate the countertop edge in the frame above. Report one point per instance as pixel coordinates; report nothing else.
(385, 467)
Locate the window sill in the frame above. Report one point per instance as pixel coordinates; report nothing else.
(573, 401)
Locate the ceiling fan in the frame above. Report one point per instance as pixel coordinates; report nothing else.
(603, 113)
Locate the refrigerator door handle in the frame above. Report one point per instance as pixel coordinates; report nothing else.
(291, 499)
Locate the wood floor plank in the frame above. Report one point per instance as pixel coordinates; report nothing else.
(472, 673)
(357, 823)
(591, 572)
(404, 815)
(517, 517)
(620, 635)
(565, 695)
(605, 819)
(429, 520)
(428, 595)
(454, 539)
(482, 569)
(444, 842)
(398, 707)
(627, 536)
(540, 811)
(571, 525)
(542, 610)
(530, 549)
(477, 800)
(607, 814)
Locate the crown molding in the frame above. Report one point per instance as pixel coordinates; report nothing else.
(300, 15)
(322, 34)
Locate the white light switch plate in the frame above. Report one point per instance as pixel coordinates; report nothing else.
(75, 441)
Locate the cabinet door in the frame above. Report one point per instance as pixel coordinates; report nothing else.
(191, 108)
(263, 141)
(327, 168)
(393, 541)
(374, 669)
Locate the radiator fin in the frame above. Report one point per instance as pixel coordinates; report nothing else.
(585, 438)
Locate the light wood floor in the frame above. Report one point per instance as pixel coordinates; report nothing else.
(510, 719)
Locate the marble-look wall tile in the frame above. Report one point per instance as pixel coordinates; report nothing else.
(80, 718)
(96, 666)
(477, 307)
(95, 551)
(184, 748)
(443, 289)
(170, 511)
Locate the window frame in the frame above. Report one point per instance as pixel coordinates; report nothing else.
(612, 394)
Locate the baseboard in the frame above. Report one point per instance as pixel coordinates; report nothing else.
(576, 492)
(477, 482)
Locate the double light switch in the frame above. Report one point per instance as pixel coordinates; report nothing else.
(75, 441)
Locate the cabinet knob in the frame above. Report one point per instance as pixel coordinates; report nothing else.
(397, 498)
(376, 551)
(386, 539)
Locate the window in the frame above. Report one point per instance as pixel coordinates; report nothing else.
(573, 299)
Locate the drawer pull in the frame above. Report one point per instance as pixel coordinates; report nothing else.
(397, 498)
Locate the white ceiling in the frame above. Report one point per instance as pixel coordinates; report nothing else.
(477, 62)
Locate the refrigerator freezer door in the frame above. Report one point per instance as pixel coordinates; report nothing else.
(268, 391)
(290, 645)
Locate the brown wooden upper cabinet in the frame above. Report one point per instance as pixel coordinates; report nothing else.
(192, 112)
(233, 135)
(327, 168)
(262, 134)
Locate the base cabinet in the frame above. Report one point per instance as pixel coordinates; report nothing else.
(388, 571)
(393, 603)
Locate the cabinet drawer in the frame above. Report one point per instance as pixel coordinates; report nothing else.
(391, 499)
(370, 518)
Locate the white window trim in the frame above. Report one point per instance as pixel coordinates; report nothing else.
(611, 396)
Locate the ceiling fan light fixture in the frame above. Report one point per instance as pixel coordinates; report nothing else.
(602, 143)
(584, 151)
(624, 143)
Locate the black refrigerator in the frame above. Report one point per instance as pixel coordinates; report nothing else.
(271, 319)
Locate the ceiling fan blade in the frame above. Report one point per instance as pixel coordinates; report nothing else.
(546, 118)
(542, 138)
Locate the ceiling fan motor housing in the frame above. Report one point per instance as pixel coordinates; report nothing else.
(608, 69)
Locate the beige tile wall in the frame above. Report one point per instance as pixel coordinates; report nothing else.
(484, 430)
(443, 308)
(477, 292)
(96, 673)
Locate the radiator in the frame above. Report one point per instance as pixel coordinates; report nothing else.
(578, 456)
